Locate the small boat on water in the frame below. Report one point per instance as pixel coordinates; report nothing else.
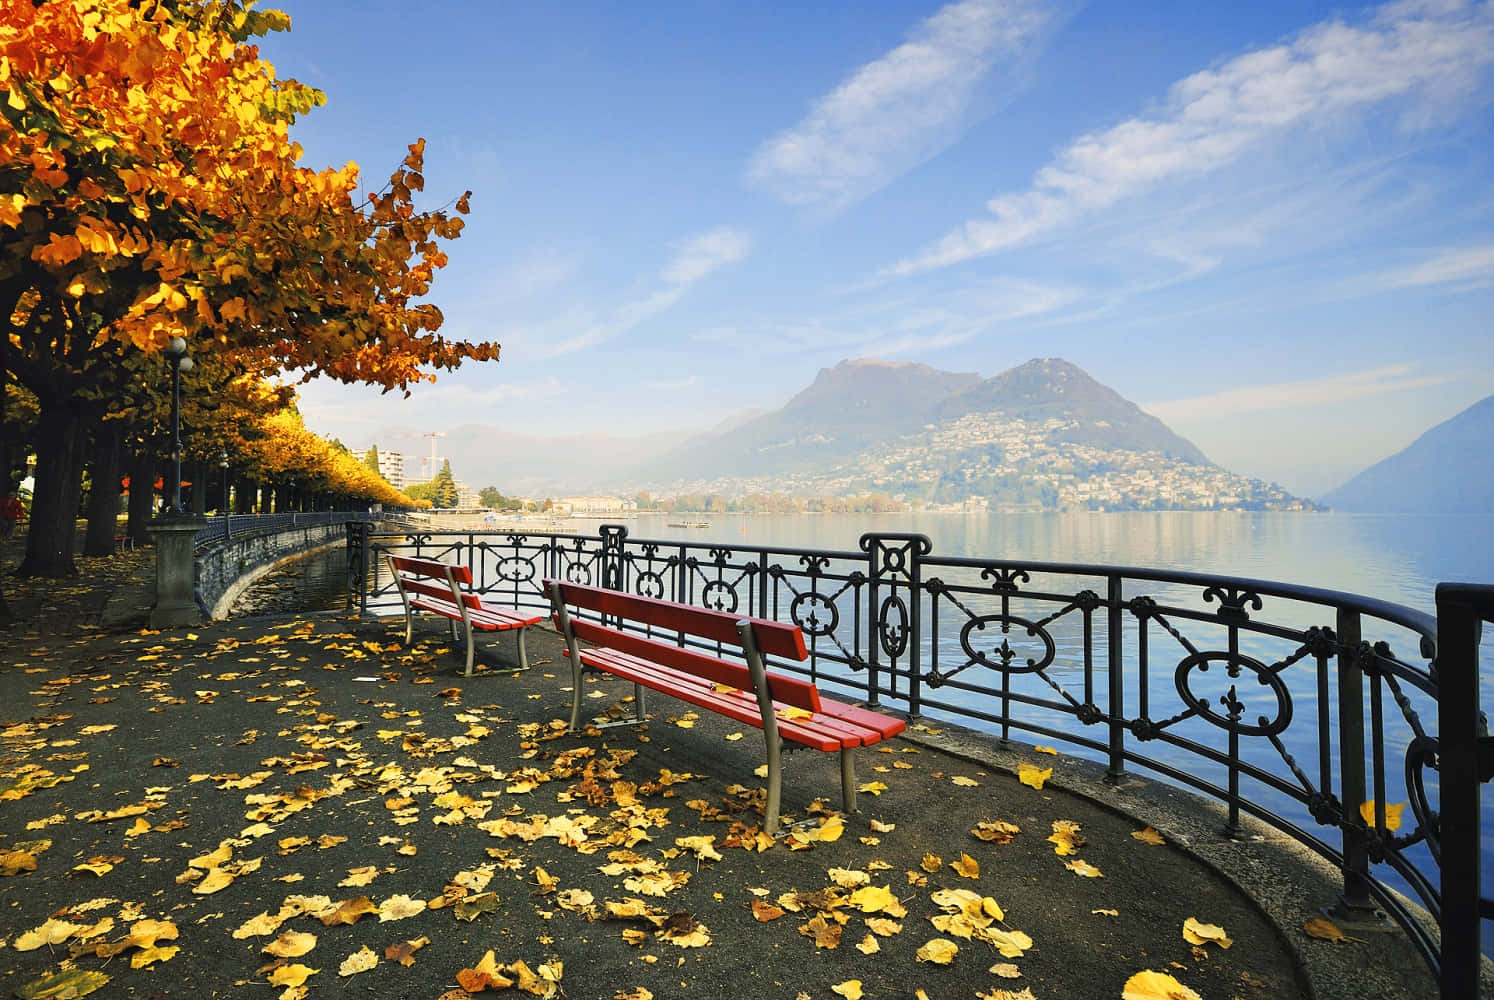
(689, 524)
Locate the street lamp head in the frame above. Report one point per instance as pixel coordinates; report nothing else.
(222, 458)
(184, 363)
(177, 347)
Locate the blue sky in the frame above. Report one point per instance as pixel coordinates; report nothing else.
(1271, 224)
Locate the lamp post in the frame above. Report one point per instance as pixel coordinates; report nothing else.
(223, 465)
(181, 361)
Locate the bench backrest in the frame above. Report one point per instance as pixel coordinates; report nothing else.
(772, 638)
(414, 573)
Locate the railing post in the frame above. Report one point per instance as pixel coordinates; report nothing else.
(613, 536)
(1461, 609)
(358, 534)
(894, 624)
(1115, 673)
(1355, 901)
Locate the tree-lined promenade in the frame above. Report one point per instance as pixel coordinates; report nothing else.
(150, 194)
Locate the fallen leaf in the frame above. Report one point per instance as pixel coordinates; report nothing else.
(63, 985)
(1033, 776)
(1195, 932)
(349, 911)
(996, 831)
(939, 951)
(966, 866)
(850, 989)
(403, 952)
(399, 907)
(291, 944)
(965, 782)
(764, 911)
(1149, 985)
(1005, 970)
(291, 975)
(1148, 836)
(359, 961)
(1081, 867)
(1324, 930)
(150, 956)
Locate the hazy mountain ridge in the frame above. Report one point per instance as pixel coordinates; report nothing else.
(1447, 470)
(1042, 435)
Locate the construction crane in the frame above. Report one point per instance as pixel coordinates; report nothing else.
(427, 465)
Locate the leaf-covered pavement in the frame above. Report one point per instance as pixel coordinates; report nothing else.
(301, 807)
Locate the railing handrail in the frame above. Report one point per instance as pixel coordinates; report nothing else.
(880, 622)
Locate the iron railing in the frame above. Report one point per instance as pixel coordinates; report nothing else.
(226, 527)
(1307, 709)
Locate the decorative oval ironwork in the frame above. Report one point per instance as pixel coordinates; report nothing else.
(1264, 725)
(1005, 653)
(578, 573)
(822, 617)
(893, 635)
(719, 596)
(650, 584)
(515, 568)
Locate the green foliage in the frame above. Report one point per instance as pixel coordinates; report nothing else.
(422, 491)
(372, 459)
(445, 487)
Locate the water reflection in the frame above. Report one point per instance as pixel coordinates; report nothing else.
(316, 583)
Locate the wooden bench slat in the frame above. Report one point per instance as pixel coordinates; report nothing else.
(773, 638)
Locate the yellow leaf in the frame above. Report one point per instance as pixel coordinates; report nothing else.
(1084, 868)
(291, 975)
(873, 788)
(965, 782)
(62, 985)
(931, 862)
(1149, 985)
(1324, 930)
(359, 961)
(997, 831)
(850, 989)
(939, 951)
(966, 866)
(1045, 750)
(1148, 836)
(152, 955)
(291, 944)
(873, 899)
(215, 880)
(1392, 813)
(1033, 776)
(1195, 932)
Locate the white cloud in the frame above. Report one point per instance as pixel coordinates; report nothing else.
(1465, 269)
(897, 111)
(1213, 118)
(705, 253)
(1292, 395)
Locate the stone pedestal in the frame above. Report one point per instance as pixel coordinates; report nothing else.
(176, 603)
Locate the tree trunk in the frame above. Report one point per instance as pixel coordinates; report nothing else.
(140, 497)
(243, 498)
(54, 503)
(103, 498)
(198, 477)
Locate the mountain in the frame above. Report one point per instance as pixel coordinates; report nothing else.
(1044, 435)
(1051, 388)
(1445, 471)
(844, 410)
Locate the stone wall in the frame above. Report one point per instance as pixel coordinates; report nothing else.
(228, 569)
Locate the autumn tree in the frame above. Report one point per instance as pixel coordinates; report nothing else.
(372, 458)
(151, 191)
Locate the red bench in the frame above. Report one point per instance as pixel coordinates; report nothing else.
(437, 587)
(783, 707)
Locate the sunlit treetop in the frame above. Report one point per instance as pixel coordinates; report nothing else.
(151, 191)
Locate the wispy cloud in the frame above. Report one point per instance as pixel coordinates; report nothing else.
(694, 259)
(1293, 395)
(1463, 270)
(1213, 118)
(899, 110)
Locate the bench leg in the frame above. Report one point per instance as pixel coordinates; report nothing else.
(470, 643)
(523, 652)
(848, 779)
(775, 785)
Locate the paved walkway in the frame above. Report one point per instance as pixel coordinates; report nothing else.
(199, 805)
